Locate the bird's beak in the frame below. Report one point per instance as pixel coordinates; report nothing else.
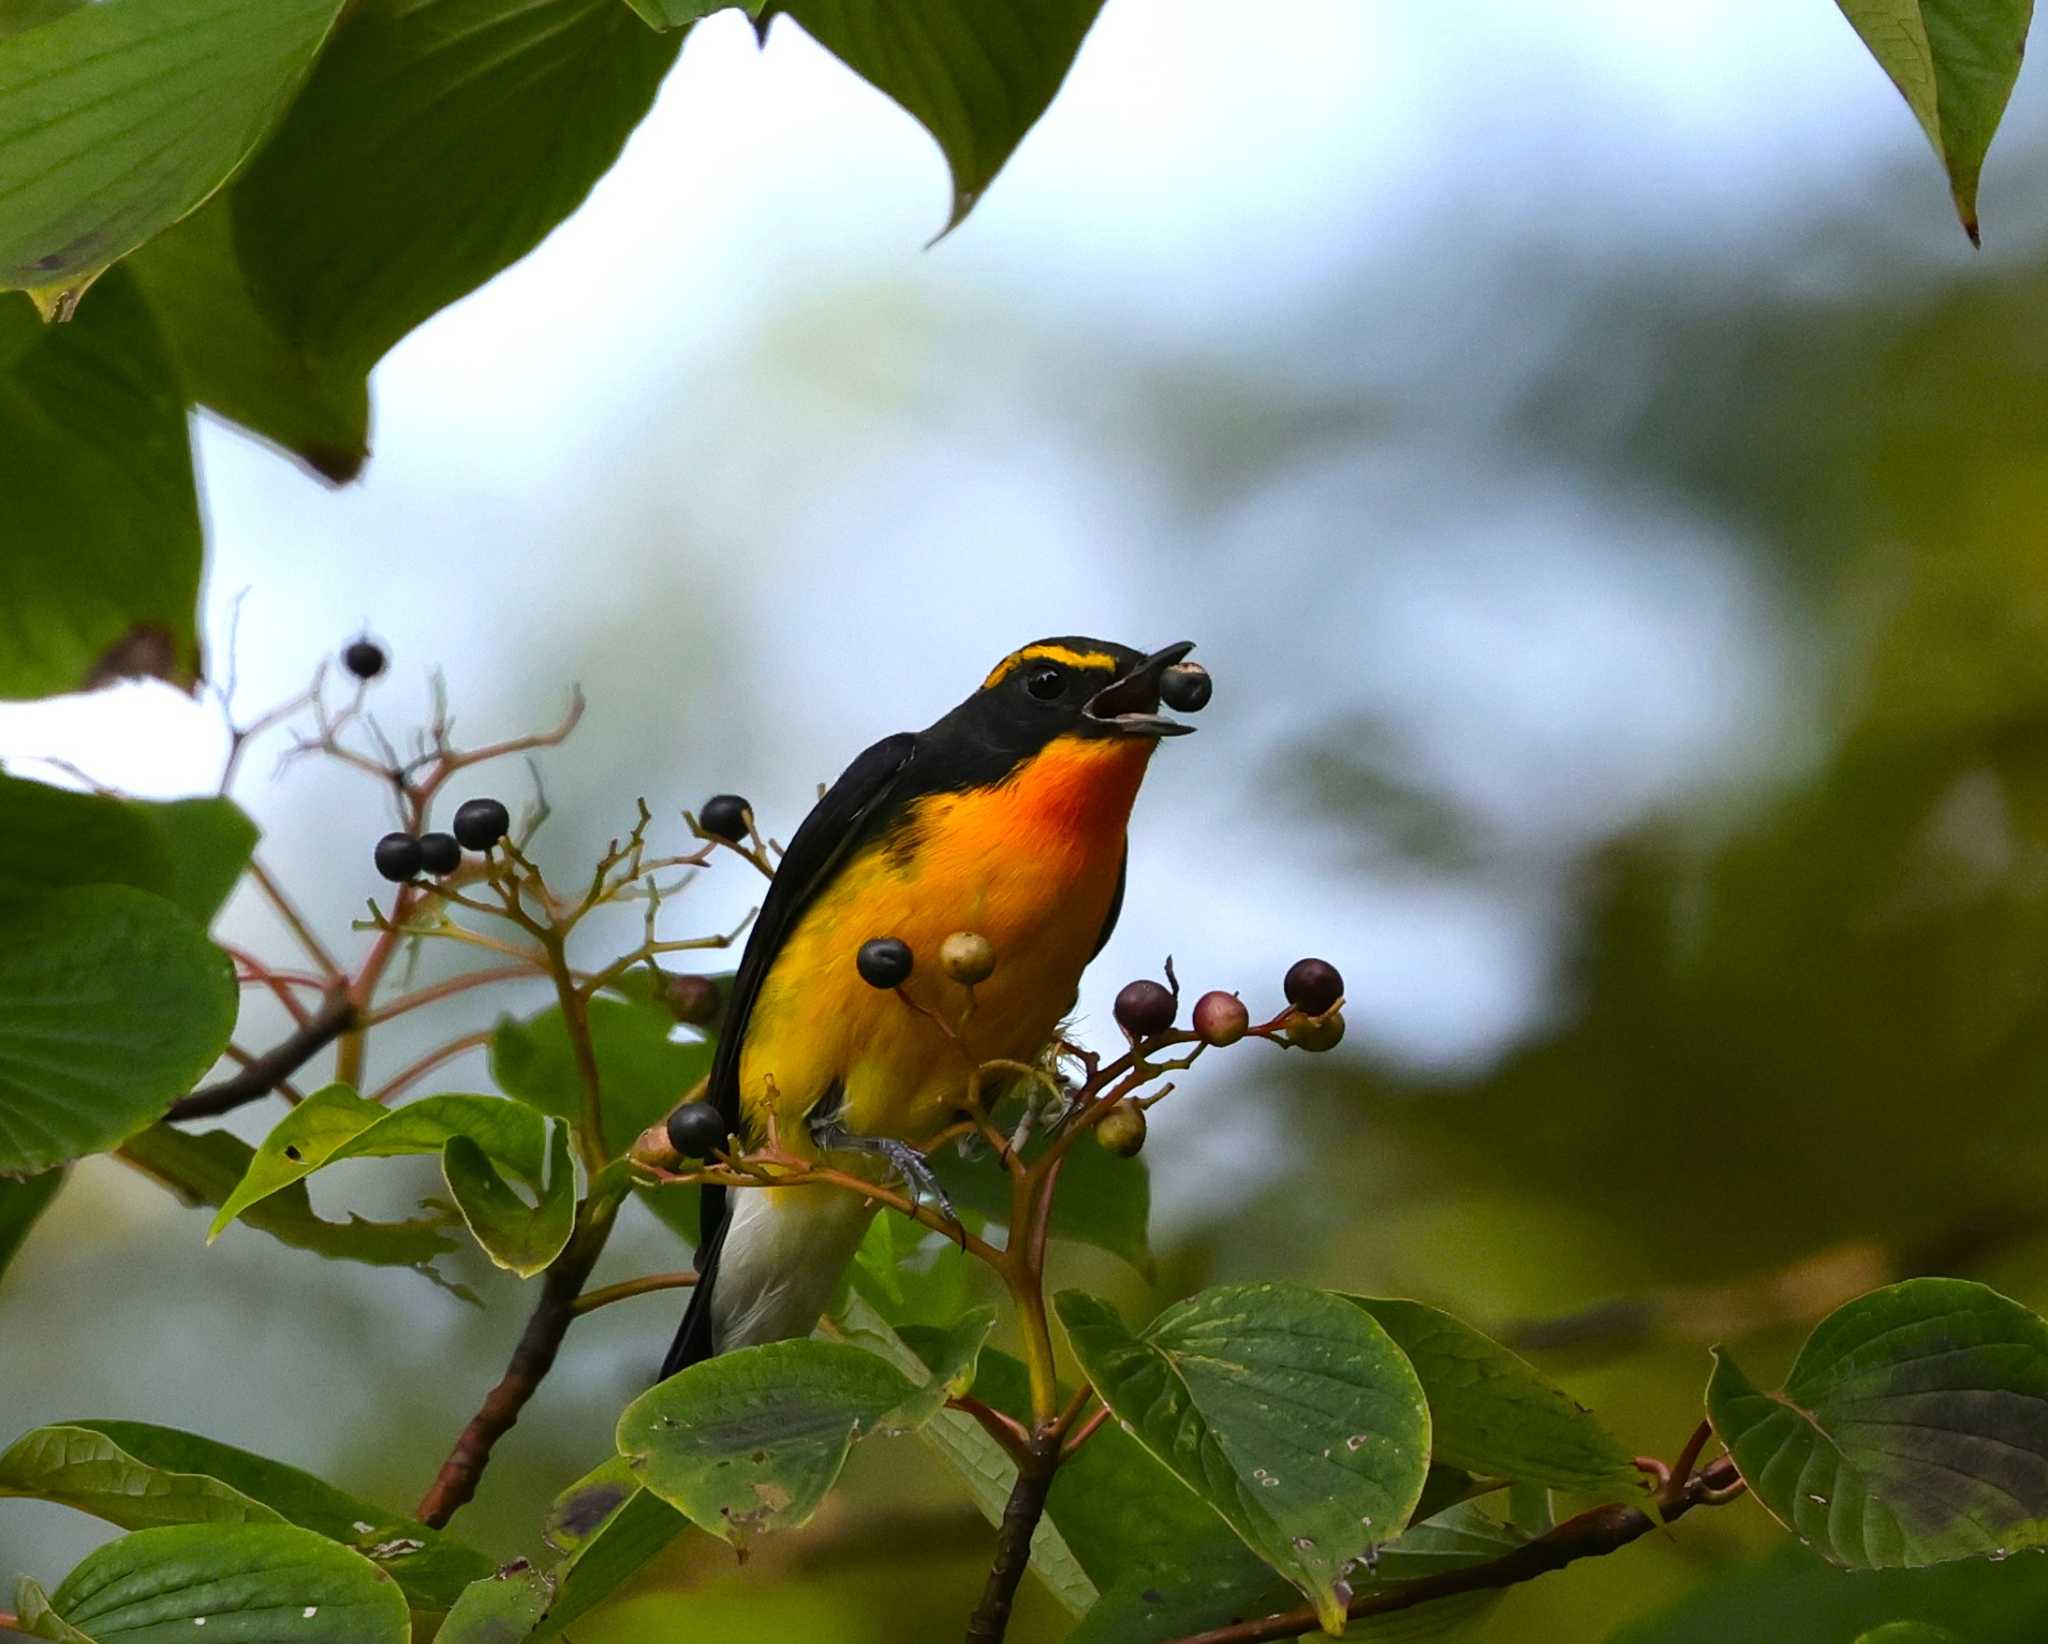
(1130, 705)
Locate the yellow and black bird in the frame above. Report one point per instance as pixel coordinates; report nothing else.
(1007, 818)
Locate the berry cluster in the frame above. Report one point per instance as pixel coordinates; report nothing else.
(479, 824)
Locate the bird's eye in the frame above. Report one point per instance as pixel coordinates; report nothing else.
(1044, 683)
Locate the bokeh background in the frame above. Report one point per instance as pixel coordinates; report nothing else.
(1610, 495)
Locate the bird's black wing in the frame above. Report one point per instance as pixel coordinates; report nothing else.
(1116, 903)
(815, 852)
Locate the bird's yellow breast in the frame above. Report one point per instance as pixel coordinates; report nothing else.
(1031, 863)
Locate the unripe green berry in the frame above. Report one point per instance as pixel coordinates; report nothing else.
(967, 957)
(1122, 1129)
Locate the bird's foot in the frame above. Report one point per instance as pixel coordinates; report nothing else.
(909, 1164)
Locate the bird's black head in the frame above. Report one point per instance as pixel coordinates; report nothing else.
(1078, 687)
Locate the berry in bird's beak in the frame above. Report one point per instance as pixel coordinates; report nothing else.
(1122, 1129)
(967, 957)
(1129, 706)
(1185, 687)
(885, 962)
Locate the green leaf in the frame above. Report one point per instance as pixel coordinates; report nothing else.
(607, 1528)
(248, 1584)
(1290, 1412)
(980, 1462)
(21, 1203)
(231, 359)
(1490, 1411)
(335, 1123)
(976, 74)
(641, 1071)
(752, 1440)
(121, 117)
(111, 1003)
(676, 14)
(1907, 1632)
(190, 851)
(437, 142)
(38, 1620)
(1102, 1200)
(19, 16)
(203, 1167)
(100, 580)
(1954, 61)
(207, 844)
(138, 1476)
(1912, 1429)
(519, 1237)
(503, 1608)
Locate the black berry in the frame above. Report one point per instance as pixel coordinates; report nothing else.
(725, 817)
(1185, 687)
(696, 1130)
(885, 962)
(439, 854)
(692, 1000)
(1221, 1019)
(1312, 986)
(1144, 1008)
(1122, 1129)
(398, 857)
(481, 823)
(364, 658)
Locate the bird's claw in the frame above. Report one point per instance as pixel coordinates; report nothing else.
(908, 1163)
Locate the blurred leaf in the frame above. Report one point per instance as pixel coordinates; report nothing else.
(252, 1582)
(646, 985)
(975, 1457)
(335, 1123)
(203, 1167)
(231, 359)
(1289, 1411)
(1907, 1632)
(911, 1276)
(642, 1072)
(118, 118)
(347, 240)
(22, 1201)
(950, 1357)
(190, 851)
(502, 1608)
(1799, 1598)
(111, 1003)
(1955, 62)
(519, 1237)
(136, 1475)
(675, 14)
(101, 576)
(1100, 1199)
(1490, 1412)
(607, 1528)
(1912, 1429)
(976, 74)
(19, 16)
(752, 1440)
(208, 843)
(674, 1207)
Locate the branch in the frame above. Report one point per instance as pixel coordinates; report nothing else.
(266, 1072)
(1021, 1513)
(1592, 1534)
(455, 1485)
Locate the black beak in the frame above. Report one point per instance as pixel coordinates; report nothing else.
(1130, 706)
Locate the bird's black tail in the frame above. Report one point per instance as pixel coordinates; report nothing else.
(693, 1337)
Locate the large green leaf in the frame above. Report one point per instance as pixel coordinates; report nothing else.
(21, 1203)
(189, 850)
(99, 579)
(1955, 62)
(437, 142)
(1913, 1428)
(503, 1608)
(520, 1237)
(111, 1003)
(247, 1584)
(19, 16)
(121, 117)
(976, 74)
(606, 1527)
(642, 1073)
(137, 1476)
(1491, 1413)
(203, 1168)
(752, 1440)
(233, 360)
(1290, 1412)
(1100, 1199)
(335, 1123)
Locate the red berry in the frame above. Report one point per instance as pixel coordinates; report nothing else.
(1221, 1019)
(692, 1000)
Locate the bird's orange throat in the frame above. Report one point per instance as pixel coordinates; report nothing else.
(1079, 788)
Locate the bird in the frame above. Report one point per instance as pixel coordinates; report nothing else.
(1007, 817)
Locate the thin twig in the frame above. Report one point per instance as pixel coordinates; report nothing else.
(267, 1071)
(625, 1290)
(401, 1080)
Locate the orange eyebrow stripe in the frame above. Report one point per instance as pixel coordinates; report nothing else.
(1047, 653)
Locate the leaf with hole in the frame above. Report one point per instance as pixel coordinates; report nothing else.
(1912, 1429)
(1289, 1411)
(112, 1002)
(607, 1528)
